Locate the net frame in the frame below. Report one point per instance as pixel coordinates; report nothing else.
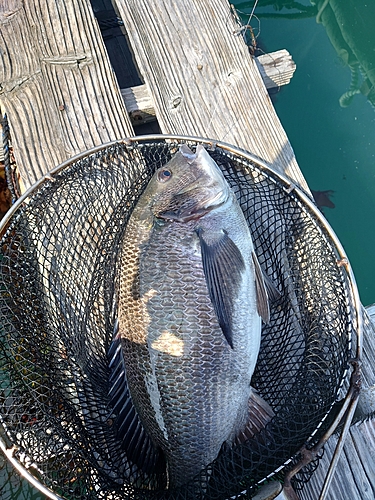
(287, 186)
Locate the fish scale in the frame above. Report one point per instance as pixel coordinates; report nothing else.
(202, 364)
(188, 374)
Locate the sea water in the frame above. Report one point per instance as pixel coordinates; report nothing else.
(334, 145)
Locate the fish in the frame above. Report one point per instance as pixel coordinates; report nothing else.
(323, 198)
(190, 305)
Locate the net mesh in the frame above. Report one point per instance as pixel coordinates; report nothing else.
(57, 269)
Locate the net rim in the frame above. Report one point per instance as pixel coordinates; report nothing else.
(8, 453)
(289, 186)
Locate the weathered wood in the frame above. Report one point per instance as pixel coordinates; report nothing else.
(61, 97)
(276, 69)
(57, 86)
(366, 402)
(139, 104)
(354, 478)
(202, 78)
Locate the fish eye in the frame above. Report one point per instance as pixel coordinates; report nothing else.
(164, 175)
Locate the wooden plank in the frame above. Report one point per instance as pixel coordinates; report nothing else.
(276, 69)
(202, 78)
(57, 86)
(139, 104)
(354, 478)
(366, 402)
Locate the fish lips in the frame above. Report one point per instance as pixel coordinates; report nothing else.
(182, 207)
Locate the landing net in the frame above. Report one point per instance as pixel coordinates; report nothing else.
(57, 267)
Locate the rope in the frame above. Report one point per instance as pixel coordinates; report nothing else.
(7, 161)
(319, 15)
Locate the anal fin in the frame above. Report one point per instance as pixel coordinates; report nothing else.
(260, 414)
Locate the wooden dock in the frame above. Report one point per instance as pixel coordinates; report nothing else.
(199, 79)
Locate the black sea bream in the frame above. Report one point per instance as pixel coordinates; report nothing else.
(191, 297)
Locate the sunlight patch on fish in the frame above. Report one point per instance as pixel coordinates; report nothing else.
(169, 343)
(140, 335)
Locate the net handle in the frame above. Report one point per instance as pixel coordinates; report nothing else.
(24, 473)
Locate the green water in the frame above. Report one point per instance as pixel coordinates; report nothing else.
(334, 146)
(13, 488)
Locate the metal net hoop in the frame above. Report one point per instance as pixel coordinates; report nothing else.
(58, 259)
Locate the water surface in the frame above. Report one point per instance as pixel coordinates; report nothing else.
(334, 146)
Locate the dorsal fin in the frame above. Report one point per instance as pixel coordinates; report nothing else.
(134, 439)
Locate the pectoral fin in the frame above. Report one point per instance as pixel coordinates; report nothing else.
(223, 266)
(130, 431)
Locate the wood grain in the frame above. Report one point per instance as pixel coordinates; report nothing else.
(57, 85)
(202, 78)
(276, 69)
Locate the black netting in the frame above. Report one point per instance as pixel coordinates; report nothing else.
(58, 260)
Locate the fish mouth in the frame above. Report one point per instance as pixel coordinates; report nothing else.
(200, 188)
(213, 199)
(184, 209)
(208, 187)
(185, 215)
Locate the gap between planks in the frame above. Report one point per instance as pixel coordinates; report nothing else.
(276, 69)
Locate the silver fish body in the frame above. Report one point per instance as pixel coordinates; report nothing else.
(188, 320)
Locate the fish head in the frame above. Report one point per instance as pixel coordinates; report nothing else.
(187, 187)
